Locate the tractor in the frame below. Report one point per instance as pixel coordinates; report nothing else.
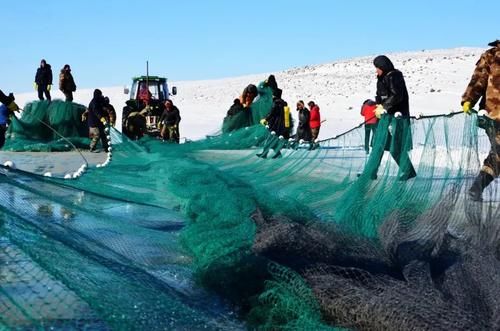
(142, 112)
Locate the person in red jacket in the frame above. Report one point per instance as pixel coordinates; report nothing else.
(315, 119)
(368, 111)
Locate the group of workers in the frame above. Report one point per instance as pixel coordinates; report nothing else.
(391, 100)
(43, 81)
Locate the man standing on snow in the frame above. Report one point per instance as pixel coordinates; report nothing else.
(393, 106)
(96, 121)
(43, 80)
(485, 84)
(67, 83)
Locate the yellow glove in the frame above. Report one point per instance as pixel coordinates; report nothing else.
(379, 111)
(466, 107)
(103, 120)
(49, 87)
(13, 107)
(263, 121)
(35, 86)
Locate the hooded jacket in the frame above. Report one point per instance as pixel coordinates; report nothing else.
(96, 110)
(485, 82)
(391, 88)
(43, 75)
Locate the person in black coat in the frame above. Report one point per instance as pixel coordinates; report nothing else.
(303, 128)
(393, 103)
(279, 122)
(96, 120)
(43, 80)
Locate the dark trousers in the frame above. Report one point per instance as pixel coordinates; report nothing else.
(369, 128)
(69, 96)
(400, 155)
(41, 90)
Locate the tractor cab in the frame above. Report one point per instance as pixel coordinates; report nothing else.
(146, 104)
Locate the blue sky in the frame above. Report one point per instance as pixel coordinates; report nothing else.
(108, 41)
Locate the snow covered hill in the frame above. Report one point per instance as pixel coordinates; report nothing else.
(435, 79)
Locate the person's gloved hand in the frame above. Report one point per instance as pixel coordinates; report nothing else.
(35, 86)
(84, 117)
(466, 107)
(379, 111)
(103, 120)
(49, 87)
(13, 106)
(263, 121)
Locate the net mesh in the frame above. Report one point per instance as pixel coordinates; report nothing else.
(206, 235)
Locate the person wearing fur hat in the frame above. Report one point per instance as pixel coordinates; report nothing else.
(67, 83)
(393, 106)
(485, 85)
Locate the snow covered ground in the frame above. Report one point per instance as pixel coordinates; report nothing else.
(435, 79)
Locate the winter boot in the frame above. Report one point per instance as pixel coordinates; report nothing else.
(263, 154)
(411, 174)
(277, 155)
(480, 183)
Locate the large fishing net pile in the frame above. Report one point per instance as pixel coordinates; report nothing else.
(48, 126)
(206, 235)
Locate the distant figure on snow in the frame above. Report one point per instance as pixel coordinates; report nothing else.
(67, 83)
(304, 127)
(368, 111)
(248, 95)
(43, 80)
(235, 108)
(315, 120)
(485, 84)
(279, 122)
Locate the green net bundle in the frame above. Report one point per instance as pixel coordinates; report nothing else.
(45, 126)
(206, 235)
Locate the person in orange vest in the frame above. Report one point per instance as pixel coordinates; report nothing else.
(368, 111)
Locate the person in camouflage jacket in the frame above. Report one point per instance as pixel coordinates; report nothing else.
(485, 85)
